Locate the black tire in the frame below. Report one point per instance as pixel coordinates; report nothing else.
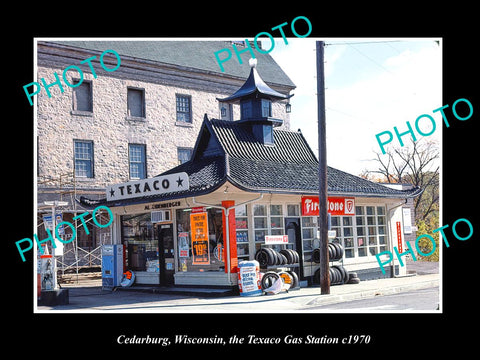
(339, 275)
(339, 251)
(352, 274)
(277, 257)
(272, 258)
(288, 255)
(343, 273)
(316, 256)
(295, 278)
(334, 251)
(346, 277)
(284, 259)
(262, 257)
(316, 277)
(268, 279)
(354, 280)
(296, 256)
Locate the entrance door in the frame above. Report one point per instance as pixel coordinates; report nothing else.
(166, 254)
(293, 231)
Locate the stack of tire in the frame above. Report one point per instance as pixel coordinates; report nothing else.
(338, 275)
(268, 257)
(335, 252)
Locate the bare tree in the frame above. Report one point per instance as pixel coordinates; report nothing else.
(415, 164)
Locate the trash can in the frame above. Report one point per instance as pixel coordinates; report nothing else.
(249, 278)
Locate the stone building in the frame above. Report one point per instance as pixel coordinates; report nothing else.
(131, 123)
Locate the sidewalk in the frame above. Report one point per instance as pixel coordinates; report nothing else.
(93, 299)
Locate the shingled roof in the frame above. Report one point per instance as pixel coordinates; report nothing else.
(228, 151)
(289, 166)
(196, 55)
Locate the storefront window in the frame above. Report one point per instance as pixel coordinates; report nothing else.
(260, 224)
(267, 220)
(362, 235)
(205, 252)
(241, 224)
(276, 220)
(141, 244)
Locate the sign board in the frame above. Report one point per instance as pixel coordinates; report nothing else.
(399, 237)
(200, 244)
(48, 223)
(335, 206)
(153, 186)
(407, 221)
(276, 239)
(183, 244)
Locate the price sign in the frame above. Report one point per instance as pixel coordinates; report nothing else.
(200, 246)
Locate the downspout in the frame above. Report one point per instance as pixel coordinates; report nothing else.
(225, 212)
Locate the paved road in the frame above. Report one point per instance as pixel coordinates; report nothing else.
(423, 299)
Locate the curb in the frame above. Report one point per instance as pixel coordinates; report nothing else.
(371, 293)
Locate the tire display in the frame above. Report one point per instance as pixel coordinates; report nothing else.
(338, 275)
(335, 253)
(268, 257)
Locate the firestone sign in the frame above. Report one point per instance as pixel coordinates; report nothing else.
(336, 206)
(153, 186)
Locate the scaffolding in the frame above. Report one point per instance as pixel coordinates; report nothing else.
(74, 256)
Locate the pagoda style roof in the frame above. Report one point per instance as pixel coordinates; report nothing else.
(254, 85)
(227, 151)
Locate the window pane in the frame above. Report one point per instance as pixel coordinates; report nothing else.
(83, 154)
(136, 154)
(293, 210)
(335, 220)
(347, 232)
(275, 209)
(348, 242)
(183, 108)
(241, 210)
(260, 235)
(276, 222)
(135, 102)
(184, 155)
(308, 221)
(260, 223)
(83, 97)
(347, 221)
(380, 210)
(259, 210)
(370, 210)
(349, 253)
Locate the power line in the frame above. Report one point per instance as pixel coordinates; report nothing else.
(363, 42)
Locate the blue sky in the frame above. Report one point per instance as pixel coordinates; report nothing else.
(371, 85)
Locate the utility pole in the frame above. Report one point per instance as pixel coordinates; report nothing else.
(322, 174)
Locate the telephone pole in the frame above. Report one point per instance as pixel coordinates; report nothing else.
(322, 173)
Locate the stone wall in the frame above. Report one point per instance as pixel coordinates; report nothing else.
(110, 129)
